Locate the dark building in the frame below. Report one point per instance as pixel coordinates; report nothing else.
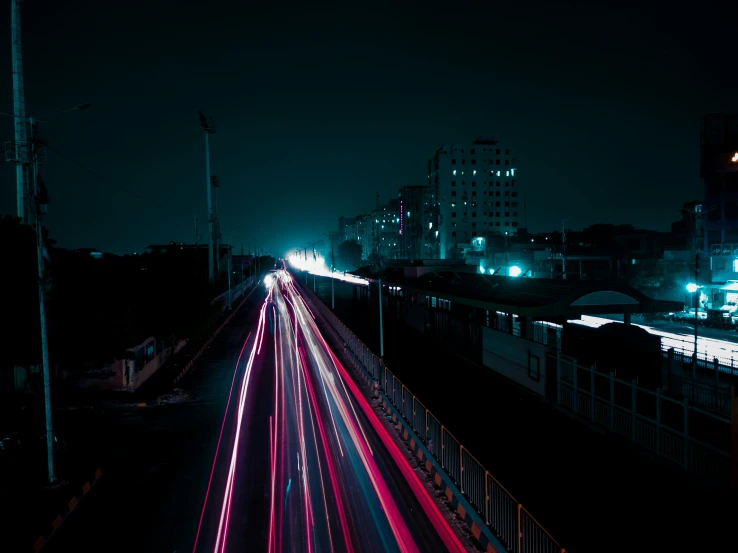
(412, 221)
(719, 172)
(343, 232)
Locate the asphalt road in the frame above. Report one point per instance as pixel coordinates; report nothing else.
(278, 451)
(301, 465)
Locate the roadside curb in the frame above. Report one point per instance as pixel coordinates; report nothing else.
(39, 544)
(206, 345)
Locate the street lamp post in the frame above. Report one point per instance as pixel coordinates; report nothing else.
(333, 268)
(693, 288)
(34, 149)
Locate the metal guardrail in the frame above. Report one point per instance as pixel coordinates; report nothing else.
(649, 418)
(514, 526)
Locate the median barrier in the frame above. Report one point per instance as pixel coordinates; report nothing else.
(191, 363)
(73, 503)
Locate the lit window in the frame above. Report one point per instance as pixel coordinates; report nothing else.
(430, 225)
(474, 172)
(507, 173)
(454, 172)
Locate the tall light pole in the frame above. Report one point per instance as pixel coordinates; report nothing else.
(312, 245)
(20, 146)
(333, 268)
(209, 127)
(694, 288)
(32, 150)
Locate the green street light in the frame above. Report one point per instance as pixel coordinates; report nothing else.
(692, 287)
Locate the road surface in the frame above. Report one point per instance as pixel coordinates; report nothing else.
(302, 462)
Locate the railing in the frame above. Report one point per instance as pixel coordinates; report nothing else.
(650, 419)
(514, 526)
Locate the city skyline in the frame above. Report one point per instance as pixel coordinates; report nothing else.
(608, 134)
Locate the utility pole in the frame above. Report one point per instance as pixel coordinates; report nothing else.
(381, 322)
(209, 128)
(333, 268)
(229, 273)
(563, 249)
(217, 238)
(24, 211)
(698, 213)
(40, 201)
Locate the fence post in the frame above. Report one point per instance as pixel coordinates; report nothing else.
(558, 377)
(443, 447)
(612, 402)
(686, 433)
(461, 467)
(592, 372)
(426, 427)
(633, 411)
(658, 421)
(716, 363)
(575, 371)
(520, 530)
(487, 499)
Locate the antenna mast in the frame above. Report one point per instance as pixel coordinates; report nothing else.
(18, 152)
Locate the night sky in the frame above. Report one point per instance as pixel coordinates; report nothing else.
(318, 108)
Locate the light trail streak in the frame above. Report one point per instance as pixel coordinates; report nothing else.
(224, 516)
(331, 469)
(450, 540)
(217, 447)
(712, 347)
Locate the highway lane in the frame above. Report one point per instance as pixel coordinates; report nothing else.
(303, 464)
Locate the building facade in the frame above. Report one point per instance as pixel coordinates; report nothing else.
(719, 172)
(386, 230)
(413, 222)
(346, 228)
(473, 194)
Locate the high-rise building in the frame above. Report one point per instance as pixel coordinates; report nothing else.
(719, 171)
(345, 225)
(472, 194)
(413, 223)
(386, 230)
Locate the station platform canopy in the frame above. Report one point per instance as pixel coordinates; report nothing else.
(537, 298)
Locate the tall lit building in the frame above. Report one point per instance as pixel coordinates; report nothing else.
(472, 194)
(719, 171)
(386, 230)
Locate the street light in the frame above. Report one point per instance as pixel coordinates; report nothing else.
(693, 288)
(333, 268)
(515, 271)
(34, 148)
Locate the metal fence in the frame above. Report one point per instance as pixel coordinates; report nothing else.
(504, 515)
(661, 424)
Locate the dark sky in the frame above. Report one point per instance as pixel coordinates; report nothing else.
(318, 108)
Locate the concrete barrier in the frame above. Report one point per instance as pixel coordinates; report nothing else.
(39, 544)
(191, 363)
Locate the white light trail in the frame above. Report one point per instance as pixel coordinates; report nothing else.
(711, 347)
